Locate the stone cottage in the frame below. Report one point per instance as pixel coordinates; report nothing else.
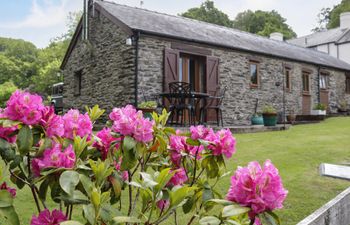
(120, 53)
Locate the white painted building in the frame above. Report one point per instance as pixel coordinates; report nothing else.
(335, 42)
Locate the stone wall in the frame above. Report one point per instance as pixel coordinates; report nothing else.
(234, 73)
(107, 66)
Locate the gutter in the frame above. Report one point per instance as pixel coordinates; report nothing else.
(136, 37)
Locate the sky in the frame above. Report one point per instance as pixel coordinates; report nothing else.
(39, 21)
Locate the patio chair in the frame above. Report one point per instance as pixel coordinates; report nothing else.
(214, 103)
(180, 103)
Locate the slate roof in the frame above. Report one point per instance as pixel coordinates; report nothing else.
(177, 27)
(336, 36)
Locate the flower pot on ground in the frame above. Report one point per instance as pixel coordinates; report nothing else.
(270, 116)
(148, 108)
(319, 109)
(291, 118)
(257, 119)
(343, 106)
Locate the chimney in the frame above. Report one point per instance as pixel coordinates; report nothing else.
(276, 36)
(345, 20)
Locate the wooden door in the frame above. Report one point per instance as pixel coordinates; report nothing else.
(306, 109)
(171, 71)
(324, 98)
(212, 82)
(306, 97)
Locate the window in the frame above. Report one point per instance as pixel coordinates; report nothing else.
(306, 82)
(192, 70)
(347, 84)
(323, 81)
(254, 74)
(77, 82)
(288, 79)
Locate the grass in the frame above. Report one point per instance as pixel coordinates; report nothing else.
(297, 153)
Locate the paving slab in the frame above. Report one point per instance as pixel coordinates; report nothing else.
(337, 171)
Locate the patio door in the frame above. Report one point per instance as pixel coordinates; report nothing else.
(306, 97)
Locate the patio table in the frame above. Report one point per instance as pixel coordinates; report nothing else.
(197, 96)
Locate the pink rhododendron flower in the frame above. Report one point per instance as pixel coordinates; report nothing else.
(163, 204)
(24, 107)
(201, 132)
(179, 178)
(55, 157)
(129, 122)
(12, 191)
(257, 221)
(224, 143)
(261, 189)
(105, 141)
(76, 124)
(52, 123)
(47, 218)
(7, 133)
(178, 145)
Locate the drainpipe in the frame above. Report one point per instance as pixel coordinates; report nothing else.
(318, 85)
(136, 41)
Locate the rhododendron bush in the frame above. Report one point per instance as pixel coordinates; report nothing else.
(133, 171)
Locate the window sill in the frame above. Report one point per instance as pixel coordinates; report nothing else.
(306, 93)
(254, 86)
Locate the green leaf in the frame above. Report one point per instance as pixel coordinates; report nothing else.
(25, 140)
(271, 218)
(209, 220)
(6, 199)
(89, 213)
(128, 143)
(10, 214)
(76, 198)
(68, 181)
(221, 202)
(192, 142)
(86, 182)
(4, 145)
(46, 144)
(71, 222)
(117, 186)
(176, 197)
(234, 210)
(125, 219)
(96, 198)
(189, 205)
(148, 180)
(163, 178)
(43, 189)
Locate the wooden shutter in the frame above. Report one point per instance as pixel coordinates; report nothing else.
(212, 82)
(171, 67)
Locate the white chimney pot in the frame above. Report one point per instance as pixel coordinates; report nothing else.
(345, 20)
(276, 36)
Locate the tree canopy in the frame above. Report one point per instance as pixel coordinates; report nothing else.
(207, 12)
(329, 18)
(263, 23)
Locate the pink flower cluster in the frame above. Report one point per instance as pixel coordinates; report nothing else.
(221, 143)
(12, 191)
(54, 157)
(45, 217)
(105, 140)
(24, 107)
(7, 133)
(179, 178)
(76, 124)
(178, 146)
(129, 122)
(52, 123)
(261, 189)
(124, 174)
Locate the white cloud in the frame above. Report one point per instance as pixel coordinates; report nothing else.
(43, 14)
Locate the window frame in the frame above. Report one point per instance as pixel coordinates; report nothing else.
(326, 84)
(306, 74)
(257, 64)
(347, 84)
(288, 82)
(78, 82)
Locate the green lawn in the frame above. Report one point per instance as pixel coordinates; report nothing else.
(297, 153)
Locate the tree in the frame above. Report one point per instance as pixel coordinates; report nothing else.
(330, 18)
(207, 12)
(6, 89)
(263, 23)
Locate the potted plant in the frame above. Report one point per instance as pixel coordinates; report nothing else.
(291, 117)
(343, 106)
(269, 115)
(148, 107)
(319, 109)
(257, 119)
